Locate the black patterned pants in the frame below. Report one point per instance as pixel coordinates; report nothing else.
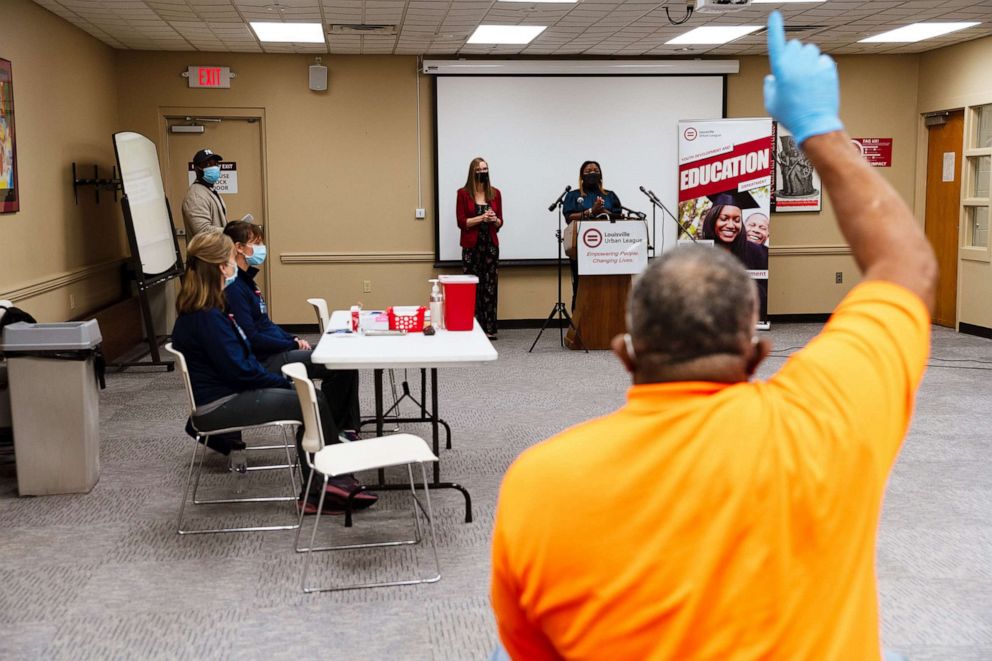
(481, 262)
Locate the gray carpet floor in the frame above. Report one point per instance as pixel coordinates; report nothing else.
(104, 575)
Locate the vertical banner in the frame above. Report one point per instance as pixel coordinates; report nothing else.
(797, 185)
(725, 189)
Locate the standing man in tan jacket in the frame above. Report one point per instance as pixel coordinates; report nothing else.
(203, 206)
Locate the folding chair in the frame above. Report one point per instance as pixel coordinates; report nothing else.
(286, 427)
(345, 458)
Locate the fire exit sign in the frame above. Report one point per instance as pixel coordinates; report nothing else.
(209, 77)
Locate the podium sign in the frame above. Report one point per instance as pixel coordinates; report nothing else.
(612, 248)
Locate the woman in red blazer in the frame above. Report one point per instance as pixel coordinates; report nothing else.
(479, 210)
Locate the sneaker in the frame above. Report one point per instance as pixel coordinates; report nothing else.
(341, 487)
(492, 336)
(349, 436)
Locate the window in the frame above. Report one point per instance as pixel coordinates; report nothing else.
(977, 193)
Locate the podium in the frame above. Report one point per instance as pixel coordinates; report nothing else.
(600, 311)
(609, 253)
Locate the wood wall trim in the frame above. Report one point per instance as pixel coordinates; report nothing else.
(59, 280)
(809, 251)
(356, 257)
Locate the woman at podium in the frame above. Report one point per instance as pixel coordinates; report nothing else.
(589, 200)
(479, 211)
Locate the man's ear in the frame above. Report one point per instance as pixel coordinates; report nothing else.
(759, 352)
(620, 349)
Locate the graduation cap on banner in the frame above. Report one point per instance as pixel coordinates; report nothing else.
(739, 199)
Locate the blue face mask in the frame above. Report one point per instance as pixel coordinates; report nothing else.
(257, 257)
(229, 280)
(211, 174)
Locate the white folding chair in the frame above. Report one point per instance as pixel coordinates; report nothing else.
(286, 427)
(345, 458)
(324, 317)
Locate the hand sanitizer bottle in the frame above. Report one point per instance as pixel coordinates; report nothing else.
(437, 306)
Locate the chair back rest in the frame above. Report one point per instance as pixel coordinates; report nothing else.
(320, 306)
(184, 370)
(313, 434)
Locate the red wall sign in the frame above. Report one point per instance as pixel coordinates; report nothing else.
(876, 151)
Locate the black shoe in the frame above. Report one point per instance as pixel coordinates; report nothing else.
(344, 489)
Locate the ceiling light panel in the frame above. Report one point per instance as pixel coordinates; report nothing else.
(917, 32)
(297, 33)
(714, 34)
(505, 34)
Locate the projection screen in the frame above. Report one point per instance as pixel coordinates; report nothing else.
(535, 131)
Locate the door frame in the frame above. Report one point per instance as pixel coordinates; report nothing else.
(920, 202)
(165, 113)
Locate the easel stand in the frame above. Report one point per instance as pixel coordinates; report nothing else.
(144, 283)
(558, 309)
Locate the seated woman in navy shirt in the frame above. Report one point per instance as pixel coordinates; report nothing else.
(273, 346)
(230, 387)
(589, 200)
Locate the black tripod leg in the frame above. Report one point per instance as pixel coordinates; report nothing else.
(578, 335)
(547, 321)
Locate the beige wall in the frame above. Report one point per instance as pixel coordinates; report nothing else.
(342, 179)
(341, 168)
(950, 78)
(878, 97)
(341, 171)
(65, 96)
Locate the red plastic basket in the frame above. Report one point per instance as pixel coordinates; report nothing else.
(411, 323)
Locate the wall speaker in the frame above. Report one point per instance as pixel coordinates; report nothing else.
(318, 77)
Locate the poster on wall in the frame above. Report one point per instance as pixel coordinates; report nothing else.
(725, 180)
(9, 201)
(876, 151)
(797, 184)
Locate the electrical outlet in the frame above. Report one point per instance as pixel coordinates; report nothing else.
(72, 301)
(420, 214)
(366, 286)
(839, 277)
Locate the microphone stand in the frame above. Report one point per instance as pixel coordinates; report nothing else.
(658, 204)
(559, 308)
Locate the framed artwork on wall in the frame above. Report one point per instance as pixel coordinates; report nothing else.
(9, 201)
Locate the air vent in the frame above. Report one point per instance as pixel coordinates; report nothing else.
(362, 28)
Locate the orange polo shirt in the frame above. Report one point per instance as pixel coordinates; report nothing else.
(707, 521)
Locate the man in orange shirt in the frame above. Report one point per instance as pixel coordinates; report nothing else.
(730, 519)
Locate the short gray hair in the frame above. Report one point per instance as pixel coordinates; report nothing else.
(691, 302)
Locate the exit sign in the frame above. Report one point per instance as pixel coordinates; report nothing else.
(209, 77)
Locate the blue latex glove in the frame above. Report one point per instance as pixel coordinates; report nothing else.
(802, 93)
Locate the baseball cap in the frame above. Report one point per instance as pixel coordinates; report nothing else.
(205, 154)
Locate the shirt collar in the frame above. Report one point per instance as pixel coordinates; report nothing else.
(649, 396)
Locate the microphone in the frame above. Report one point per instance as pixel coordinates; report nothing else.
(560, 198)
(639, 215)
(651, 196)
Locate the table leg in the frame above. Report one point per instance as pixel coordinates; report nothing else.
(379, 422)
(435, 421)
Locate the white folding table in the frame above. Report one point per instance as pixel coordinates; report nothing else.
(413, 350)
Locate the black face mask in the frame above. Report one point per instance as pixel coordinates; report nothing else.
(591, 180)
(482, 177)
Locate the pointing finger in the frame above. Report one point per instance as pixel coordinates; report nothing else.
(776, 38)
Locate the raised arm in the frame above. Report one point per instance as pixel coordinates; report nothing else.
(803, 94)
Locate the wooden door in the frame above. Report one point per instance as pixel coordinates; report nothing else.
(943, 210)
